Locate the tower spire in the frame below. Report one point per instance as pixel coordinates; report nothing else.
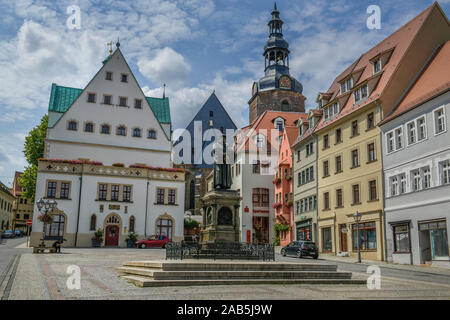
(164, 91)
(275, 6)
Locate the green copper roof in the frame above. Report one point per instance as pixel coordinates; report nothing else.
(61, 98)
(161, 108)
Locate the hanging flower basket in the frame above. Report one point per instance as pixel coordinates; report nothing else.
(288, 178)
(45, 218)
(120, 165)
(276, 205)
(276, 181)
(289, 204)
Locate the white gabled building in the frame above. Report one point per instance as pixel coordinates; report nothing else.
(107, 162)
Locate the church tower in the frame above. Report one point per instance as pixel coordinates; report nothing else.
(277, 90)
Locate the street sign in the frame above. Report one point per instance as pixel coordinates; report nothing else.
(29, 222)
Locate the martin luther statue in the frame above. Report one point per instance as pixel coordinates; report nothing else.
(222, 170)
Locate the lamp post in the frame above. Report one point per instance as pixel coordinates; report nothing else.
(44, 207)
(357, 218)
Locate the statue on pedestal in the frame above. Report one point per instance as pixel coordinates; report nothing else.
(222, 170)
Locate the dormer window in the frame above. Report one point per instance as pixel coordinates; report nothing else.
(331, 111)
(377, 66)
(346, 85)
(300, 130)
(311, 122)
(360, 94)
(279, 125)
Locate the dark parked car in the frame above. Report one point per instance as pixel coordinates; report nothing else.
(8, 234)
(153, 241)
(18, 233)
(300, 249)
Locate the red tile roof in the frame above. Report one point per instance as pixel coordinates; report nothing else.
(431, 82)
(265, 122)
(398, 42)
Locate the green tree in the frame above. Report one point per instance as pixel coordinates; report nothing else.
(33, 150)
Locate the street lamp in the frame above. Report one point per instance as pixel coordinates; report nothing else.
(44, 207)
(357, 218)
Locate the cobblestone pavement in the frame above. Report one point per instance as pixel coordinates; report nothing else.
(43, 276)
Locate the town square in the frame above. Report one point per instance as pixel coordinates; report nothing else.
(224, 150)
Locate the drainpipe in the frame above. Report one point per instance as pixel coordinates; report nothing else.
(383, 187)
(79, 206)
(146, 208)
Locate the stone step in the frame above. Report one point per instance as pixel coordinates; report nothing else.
(229, 266)
(220, 275)
(148, 282)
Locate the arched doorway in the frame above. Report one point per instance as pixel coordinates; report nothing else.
(165, 226)
(112, 230)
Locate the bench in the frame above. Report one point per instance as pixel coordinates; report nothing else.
(41, 249)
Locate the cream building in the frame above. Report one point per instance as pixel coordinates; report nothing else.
(6, 205)
(108, 162)
(22, 207)
(349, 145)
(305, 177)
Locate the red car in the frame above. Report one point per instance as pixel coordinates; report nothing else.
(154, 242)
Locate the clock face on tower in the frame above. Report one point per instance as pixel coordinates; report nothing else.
(285, 82)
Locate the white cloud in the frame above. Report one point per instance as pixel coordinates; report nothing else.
(167, 66)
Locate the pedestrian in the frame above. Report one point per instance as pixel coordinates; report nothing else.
(57, 246)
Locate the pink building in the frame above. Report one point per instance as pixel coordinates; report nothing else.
(283, 205)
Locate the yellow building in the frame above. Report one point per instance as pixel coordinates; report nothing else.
(6, 205)
(22, 207)
(349, 146)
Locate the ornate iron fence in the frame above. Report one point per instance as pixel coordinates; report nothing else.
(220, 250)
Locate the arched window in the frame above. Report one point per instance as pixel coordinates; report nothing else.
(285, 105)
(151, 134)
(121, 131)
(137, 132)
(132, 224)
(72, 125)
(114, 219)
(93, 225)
(106, 129)
(89, 127)
(164, 228)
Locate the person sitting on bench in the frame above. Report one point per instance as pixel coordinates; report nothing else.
(57, 246)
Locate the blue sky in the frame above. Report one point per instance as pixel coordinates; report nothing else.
(194, 46)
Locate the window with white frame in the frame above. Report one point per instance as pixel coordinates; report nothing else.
(360, 93)
(346, 85)
(260, 141)
(411, 132)
(426, 177)
(417, 180)
(390, 142)
(421, 129)
(377, 66)
(439, 120)
(402, 183)
(394, 186)
(445, 172)
(399, 138)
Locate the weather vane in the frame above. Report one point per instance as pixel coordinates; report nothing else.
(110, 47)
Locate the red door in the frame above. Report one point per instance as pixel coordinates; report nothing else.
(112, 236)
